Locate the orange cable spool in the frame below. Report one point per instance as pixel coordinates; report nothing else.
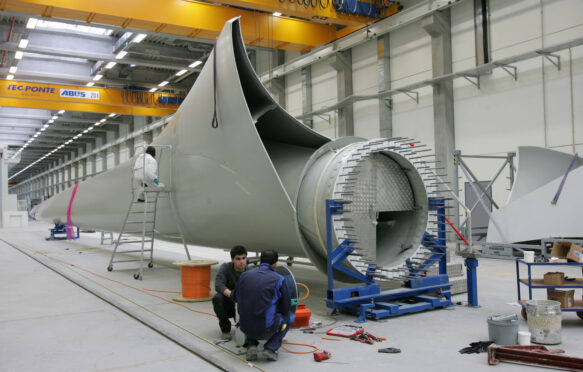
(195, 276)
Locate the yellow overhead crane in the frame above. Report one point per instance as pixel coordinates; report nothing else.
(205, 20)
(75, 98)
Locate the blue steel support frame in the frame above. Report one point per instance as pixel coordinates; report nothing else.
(471, 265)
(437, 245)
(368, 300)
(336, 256)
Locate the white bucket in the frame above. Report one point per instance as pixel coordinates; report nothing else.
(528, 256)
(523, 338)
(544, 321)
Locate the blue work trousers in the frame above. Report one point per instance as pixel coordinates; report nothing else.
(274, 337)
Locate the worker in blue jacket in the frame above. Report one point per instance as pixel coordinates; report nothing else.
(263, 302)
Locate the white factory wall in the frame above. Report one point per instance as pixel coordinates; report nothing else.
(124, 154)
(493, 120)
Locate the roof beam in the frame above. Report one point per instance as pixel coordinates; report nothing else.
(202, 20)
(94, 56)
(68, 97)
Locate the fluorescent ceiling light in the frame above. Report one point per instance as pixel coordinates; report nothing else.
(164, 83)
(51, 121)
(9, 77)
(23, 43)
(55, 117)
(86, 130)
(18, 54)
(89, 129)
(45, 126)
(111, 115)
(102, 120)
(61, 112)
(43, 129)
(276, 14)
(153, 90)
(181, 72)
(97, 123)
(110, 65)
(35, 135)
(13, 69)
(121, 54)
(139, 38)
(194, 64)
(97, 77)
(90, 84)
(78, 28)
(31, 24)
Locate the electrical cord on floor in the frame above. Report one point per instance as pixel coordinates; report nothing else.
(146, 290)
(298, 344)
(160, 290)
(307, 289)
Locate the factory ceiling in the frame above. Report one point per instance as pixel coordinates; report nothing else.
(72, 70)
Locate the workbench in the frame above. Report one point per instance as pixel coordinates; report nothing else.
(531, 283)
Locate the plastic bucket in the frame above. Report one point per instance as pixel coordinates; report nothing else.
(503, 329)
(544, 321)
(523, 338)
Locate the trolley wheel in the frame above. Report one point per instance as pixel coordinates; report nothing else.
(137, 276)
(523, 313)
(580, 314)
(289, 261)
(151, 265)
(110, 268)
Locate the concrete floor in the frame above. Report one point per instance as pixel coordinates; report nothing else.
(49, 323)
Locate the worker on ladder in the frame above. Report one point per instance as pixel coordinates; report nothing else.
(146, 172)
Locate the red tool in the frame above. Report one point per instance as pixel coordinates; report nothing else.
(320, 356)
(534, 355)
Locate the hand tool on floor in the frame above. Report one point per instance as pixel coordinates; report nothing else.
(346, 330)
(390, 350)
(321, 355)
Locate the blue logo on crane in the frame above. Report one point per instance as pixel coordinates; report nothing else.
(83, 94)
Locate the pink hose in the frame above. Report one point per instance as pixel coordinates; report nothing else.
(70, 230)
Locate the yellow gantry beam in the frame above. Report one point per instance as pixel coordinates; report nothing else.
(317, 9)
(74, 98)
(187, 18)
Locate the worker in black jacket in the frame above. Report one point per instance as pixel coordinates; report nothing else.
(227, 277)
(263, 302)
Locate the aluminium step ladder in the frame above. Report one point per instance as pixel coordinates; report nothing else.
(106, 236)
(140, 220)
